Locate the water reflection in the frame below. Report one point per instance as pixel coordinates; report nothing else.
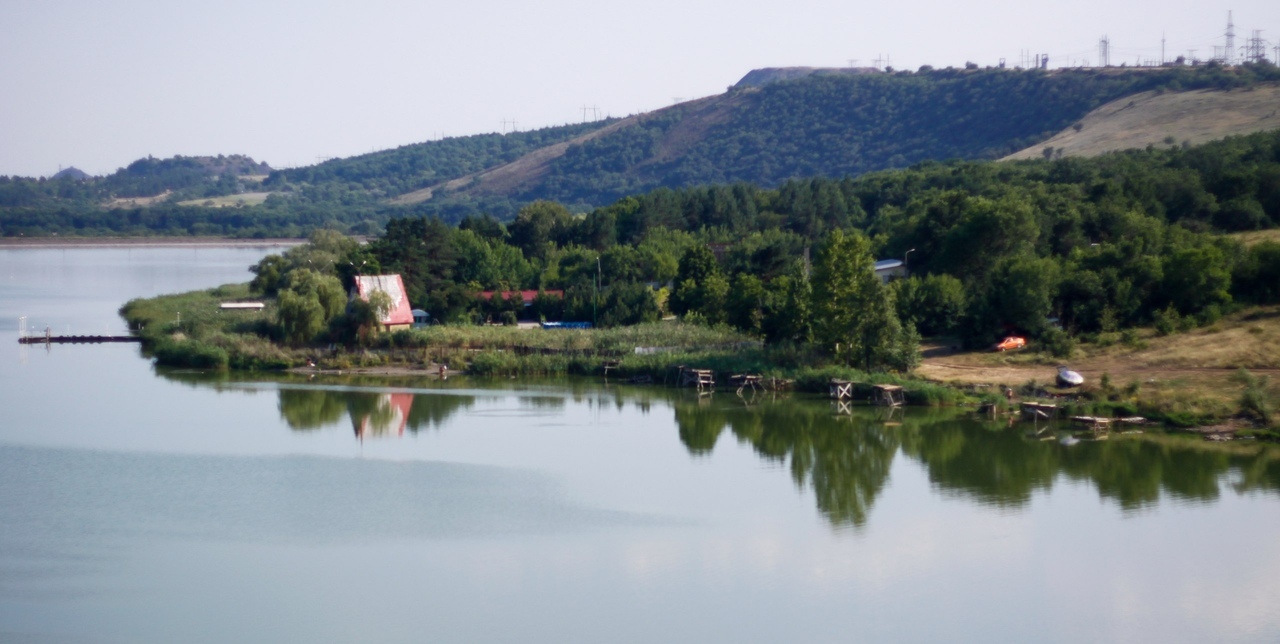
(371, 414)
(844, 455)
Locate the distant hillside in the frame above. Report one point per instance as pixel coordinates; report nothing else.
(1165, 118)
(392, 173)
(773, 127)
(785, 124)
(144, 182)
(151, 176)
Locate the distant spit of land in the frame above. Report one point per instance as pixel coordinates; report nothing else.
(80, 242)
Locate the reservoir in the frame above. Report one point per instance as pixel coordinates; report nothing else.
(147, 505)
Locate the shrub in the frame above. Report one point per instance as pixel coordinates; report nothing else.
(1256, 402)
(1168, 321)
(190, 353)
(1058, 343)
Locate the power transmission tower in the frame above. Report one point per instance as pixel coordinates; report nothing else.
(1256, 50)
(1231, 41)
(1162, 49)
(1104, 51)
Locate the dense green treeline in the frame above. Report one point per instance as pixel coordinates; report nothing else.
(1099, 244)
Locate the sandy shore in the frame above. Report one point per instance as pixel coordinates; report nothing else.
(139, 242)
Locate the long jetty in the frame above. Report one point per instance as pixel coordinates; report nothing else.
(76, 339)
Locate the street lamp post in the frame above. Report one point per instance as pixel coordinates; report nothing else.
(906, 263)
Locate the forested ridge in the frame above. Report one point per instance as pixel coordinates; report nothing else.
(831, 126)
(847, 125)
(184, 177)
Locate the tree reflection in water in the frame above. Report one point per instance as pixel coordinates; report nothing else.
(846, 458)
(371, 413)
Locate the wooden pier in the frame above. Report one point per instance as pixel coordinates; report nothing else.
(698, 378)
(745, 380)
(1040, 411)
(840, 389)
(888, 395)
(77, 339)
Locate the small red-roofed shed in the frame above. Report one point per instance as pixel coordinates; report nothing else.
(401, 314)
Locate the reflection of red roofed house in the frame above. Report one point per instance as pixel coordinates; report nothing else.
(391, 414)
(401, 315)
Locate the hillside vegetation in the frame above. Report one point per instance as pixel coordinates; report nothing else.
(837, 125)
(1161, 118)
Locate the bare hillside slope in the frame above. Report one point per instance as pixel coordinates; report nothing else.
(1156, 118)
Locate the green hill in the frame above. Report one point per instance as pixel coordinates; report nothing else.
(773, 127)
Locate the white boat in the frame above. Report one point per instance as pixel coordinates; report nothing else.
(1069, 378)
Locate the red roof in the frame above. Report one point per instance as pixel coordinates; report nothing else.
(527, 296)
(393, 286)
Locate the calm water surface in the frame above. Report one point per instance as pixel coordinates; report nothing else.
(153, 506)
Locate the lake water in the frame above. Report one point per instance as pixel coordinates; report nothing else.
(146, 506)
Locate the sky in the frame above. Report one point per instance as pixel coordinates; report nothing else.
(98, 84)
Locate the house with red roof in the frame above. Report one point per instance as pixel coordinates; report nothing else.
(527, 296)
(400, 316)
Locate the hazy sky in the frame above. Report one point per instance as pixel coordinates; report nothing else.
(97, 84)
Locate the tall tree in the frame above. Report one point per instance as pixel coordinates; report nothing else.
(853, 315)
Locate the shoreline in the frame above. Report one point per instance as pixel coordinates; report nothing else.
(147, 242)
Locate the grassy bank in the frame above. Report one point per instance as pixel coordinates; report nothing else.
(190, 330)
